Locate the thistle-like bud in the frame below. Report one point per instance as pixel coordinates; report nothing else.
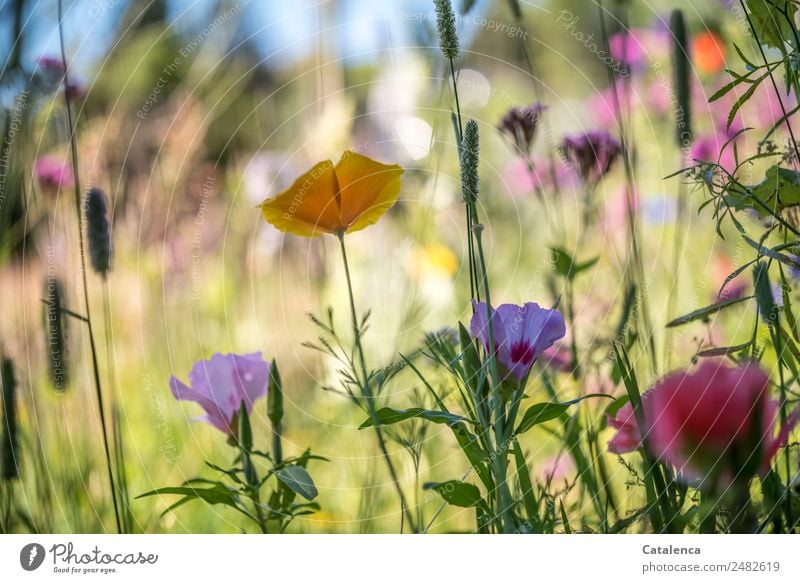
(98, 231)
(9, 456)
(681, 65)
(520, 124)
(470, 153)
(55, 325)
(446, 23)
(591, 154)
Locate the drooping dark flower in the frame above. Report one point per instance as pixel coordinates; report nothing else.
(520, 124)
(591, 154)
(9, 448)
(98, 231)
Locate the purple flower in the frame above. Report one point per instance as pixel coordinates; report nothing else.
(520, 124)
(221, 384)
(521, 333)
(49, 73)
(52, 173)
(592, 154)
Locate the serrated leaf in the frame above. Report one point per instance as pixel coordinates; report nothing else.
(298, 480)
(724, 350)
(457, 493)
(707, 311)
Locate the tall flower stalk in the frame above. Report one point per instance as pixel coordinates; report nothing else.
(81, 246)
(367, 393)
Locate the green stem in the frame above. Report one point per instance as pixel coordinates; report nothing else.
(500, 461)
(81, 245)
(367, 390)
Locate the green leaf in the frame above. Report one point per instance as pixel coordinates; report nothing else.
(616, 405)
(469, 358)
(218, 494)
(766, 302)
(779, 190)
(707, 311)
(298, 480)
(770, 25)
(389, 416)
(524, 478)
(567, 266)
(541, 412)
(456, 493)
(475, 453)
(563, 261)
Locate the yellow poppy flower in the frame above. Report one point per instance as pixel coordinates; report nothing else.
(335, 199)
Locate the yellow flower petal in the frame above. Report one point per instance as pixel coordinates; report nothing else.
(367, 189)
(309, 207)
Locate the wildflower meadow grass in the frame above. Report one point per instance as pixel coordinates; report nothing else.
(435, 266)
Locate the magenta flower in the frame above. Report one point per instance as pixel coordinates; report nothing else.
(521, 333)
(221, 384)
(626, 48)
(714, 425)
(592, 154)
(627, 438)
(52, 173)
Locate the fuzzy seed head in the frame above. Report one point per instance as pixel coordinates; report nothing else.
(98, 231)
(446, 23)
(470, 154)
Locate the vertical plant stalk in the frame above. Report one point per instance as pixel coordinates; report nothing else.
(367, 391)
(244, 440)
(681, 64)
(630, 183)
(500, 460)
(551, 159)
(470, 216)
(81, 245)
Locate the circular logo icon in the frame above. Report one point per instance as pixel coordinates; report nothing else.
(31, 556)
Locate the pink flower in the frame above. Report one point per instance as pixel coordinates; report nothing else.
(626, 48)
(521, 333)
(713, 426)
(555, 468)
(708, 148)
(558, 358)
(628, 437)
(591, 154)
(52, 173)
(220, 386)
